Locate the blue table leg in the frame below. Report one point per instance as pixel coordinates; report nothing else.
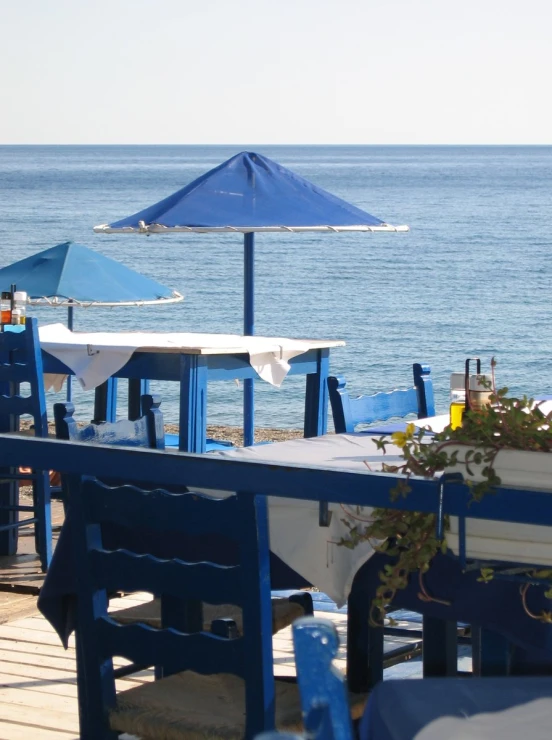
(364, 644)
(491, 653)
(193, 403)
(316, 397)
(105, 401)
(137, 387)
(316, 414)
(440, 648)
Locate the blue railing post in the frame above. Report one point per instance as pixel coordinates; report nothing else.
(249, 330)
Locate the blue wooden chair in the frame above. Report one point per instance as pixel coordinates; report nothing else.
(324, 697)
(364, 643)
(22, 394)
(349, 412)
(148, 431)
(215, 684)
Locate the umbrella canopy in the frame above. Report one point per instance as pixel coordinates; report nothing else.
(73, 275)
(249, 193)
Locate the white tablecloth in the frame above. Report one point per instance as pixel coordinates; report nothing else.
(295, 535)
(532, 721)
(96, 356)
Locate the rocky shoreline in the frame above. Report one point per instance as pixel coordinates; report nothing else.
(235, 434)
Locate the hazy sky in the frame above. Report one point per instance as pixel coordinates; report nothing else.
(276, 72)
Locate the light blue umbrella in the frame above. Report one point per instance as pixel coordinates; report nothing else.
(72, 275)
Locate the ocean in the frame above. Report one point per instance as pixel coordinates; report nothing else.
(472, 278)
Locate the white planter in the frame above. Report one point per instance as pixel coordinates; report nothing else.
(491, 540)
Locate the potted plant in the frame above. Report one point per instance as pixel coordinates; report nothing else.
(500, 443)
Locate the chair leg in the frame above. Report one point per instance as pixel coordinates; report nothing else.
(91, 722)
(440, 648)
(491, 653)
(43, 513)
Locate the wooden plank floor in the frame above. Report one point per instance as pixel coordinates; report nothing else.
(38, 691)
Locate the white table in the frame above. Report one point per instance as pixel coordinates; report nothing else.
(295, 535)
(190, 359)
(317, 556)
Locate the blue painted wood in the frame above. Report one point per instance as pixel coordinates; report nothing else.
(105, 401)
(304, 482)
(193, 403)
(316, 404)
(166, 366)
(248, 412)
(249, 330)
(491, 653)
(300, 482)
(201, 652)
(440, 648)
(130, 507)
(349, 412)
(316, 415)
(324, 696)
(137, 387)
(365, 642)
(21, 365)
(98, 571)
(171, 440)
(214, 584)
(147, 431)
(424, 386)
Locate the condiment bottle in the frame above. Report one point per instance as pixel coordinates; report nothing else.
(20, 307)
(479, 389)
(5, 307)
(457, 399)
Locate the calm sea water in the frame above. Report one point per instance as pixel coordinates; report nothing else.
(473, 277)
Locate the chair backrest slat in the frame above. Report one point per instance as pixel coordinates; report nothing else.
(384, 406)
(126, 571)
(349, 412)
(16, 372)
(17, 405)
(201, 652)
(177, 512)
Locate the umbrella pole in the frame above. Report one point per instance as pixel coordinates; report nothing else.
(70, 327)
(248, 330)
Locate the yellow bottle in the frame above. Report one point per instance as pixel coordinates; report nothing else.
(457, 409)
(457, 399)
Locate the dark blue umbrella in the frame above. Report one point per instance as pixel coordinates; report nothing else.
(72, 275)
(249, 193)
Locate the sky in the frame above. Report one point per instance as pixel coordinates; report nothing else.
(275, 72)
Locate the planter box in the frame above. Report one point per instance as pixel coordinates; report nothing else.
(491, 540)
